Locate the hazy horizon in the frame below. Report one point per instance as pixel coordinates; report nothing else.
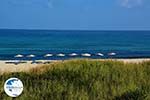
(76, 29)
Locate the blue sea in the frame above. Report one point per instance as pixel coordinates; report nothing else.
(126, 44)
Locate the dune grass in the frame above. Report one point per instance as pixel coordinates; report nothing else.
(84, 80)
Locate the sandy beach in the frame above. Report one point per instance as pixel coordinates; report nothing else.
(23, 67)
(4, 68)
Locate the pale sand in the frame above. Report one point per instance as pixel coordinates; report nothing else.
(7, 68)
(140, 60)
(4, 68)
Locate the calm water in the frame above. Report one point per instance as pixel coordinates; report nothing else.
(124, 43)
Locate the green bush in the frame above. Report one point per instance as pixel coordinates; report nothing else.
(84, 80)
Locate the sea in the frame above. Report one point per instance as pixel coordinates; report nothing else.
(125, 44)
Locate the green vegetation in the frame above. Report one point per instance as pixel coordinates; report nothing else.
(84, 80)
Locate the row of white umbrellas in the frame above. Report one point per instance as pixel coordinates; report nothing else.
(20, 56)
(62, 55)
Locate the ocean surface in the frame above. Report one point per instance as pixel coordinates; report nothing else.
(126, 44)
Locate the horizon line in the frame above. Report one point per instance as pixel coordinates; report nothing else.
(75, 29)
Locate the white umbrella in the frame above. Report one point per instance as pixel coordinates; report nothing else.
(112, 54)
(31, 56)
(61, 55)
(73, 54)
(100, 54)
(86, 54)
(48, 55)
(18, 56)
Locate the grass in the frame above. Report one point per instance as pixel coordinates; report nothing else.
(84, 80)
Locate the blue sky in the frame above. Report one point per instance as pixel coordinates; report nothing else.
(75, 14)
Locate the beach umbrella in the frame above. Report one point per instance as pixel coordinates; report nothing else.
(18, 56)
(112, 54)
(30, 56)
(61, 55)
(100, 54)
(86, 55)
(48, 55)
(73, 54)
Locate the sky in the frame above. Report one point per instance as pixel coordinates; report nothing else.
(75, 14)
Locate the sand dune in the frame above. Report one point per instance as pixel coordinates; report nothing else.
(7, 68)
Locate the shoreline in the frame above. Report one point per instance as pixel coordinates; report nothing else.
(8, 66)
